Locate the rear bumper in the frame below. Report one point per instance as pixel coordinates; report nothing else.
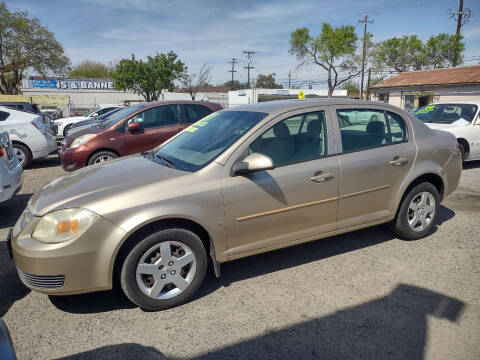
(47, 144)
(11, 182)
(453, 171)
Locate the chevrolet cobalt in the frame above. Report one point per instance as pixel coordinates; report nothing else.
(239, 182)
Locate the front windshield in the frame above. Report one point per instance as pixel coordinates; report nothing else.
(89, 112)
(446, 113)
(119, 115)
(203, 141)
(108, 114)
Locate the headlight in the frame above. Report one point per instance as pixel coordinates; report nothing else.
(63, 225)
(81, 140)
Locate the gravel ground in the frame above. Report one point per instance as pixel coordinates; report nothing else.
(364, 295)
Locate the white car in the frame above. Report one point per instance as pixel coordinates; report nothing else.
(64, 124)
(11, 171)
(31, 134)
(461, 118)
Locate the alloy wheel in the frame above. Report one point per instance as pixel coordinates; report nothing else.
(421, 211)
(102, 159)
(166, 270)
(20, 155)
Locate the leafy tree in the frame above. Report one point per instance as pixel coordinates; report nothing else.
(351, 87)
(26, 44)
(148, 78)
(236, 85)
(333, 50)
(92, 69)
(400, 54)
(444, 50)
(191, 83)
(409, 53)
(267, 82)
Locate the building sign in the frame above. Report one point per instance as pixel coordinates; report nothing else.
(70, 84)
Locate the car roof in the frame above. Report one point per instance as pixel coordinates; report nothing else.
(166, 102)
(286, 105)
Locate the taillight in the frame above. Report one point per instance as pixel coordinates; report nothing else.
(38, 123)
(2, 153)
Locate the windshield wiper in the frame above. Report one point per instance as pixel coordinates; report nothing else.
(169, 163)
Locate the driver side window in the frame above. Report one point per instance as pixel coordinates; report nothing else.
(295, 139)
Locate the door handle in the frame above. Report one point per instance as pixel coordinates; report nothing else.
(398, 161)
(322, 177)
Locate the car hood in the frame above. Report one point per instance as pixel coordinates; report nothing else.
(82, 131)
(458, 123)
(92, 187)
(72, 118)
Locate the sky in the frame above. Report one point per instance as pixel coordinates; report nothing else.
(214, 31)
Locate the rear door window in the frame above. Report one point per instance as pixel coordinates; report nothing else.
(369, 128)
(4, 115)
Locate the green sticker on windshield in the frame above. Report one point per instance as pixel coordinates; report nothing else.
(201, 123)
(426, 109)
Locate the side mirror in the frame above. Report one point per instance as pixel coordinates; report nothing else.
(134, 126)
(253, 162)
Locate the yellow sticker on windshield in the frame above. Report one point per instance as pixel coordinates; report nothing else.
(201, 122)
(425, 110)
(191, 129)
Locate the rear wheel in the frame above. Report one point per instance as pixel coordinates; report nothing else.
(418, 212)
(102, 157)
(165, 269)
(23, 155)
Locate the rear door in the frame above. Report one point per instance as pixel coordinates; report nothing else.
(376, 153)
(158, 124)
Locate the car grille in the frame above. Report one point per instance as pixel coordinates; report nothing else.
(41, 281)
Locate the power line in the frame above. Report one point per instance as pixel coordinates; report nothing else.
(248, 67)
(233, 62)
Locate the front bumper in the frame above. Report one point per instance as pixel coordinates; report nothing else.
(74, 159)
(83, 264)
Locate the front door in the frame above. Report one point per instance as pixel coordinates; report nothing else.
(158, 124)
(295, 200)
(377, 152)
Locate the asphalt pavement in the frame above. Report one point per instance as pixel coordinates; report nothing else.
(363, 295)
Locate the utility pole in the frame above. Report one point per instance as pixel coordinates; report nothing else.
(289, 78)
(368, 84)
(233, 62)
(365, 21)
(248, 67)
(461, 16)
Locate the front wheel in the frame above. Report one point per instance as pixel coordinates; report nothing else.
(418, 212)
(101, 157)
(164, 269)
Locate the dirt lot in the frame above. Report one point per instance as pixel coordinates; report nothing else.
(364, 295)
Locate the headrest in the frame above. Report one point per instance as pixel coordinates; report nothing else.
(281, 130)
(314, 128)
(376, 127)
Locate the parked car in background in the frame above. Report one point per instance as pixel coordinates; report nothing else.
(131, 130)
(32, 135)
(11, 171)
(53, 111)
(91, 121)
(24, 106)
(239, 182)
(65, 123)
(462, 119)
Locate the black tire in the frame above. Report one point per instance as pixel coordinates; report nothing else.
(462, 151)
(400, 225)
(26, 154)
(95, 157)
(66, 128)
(128, 275)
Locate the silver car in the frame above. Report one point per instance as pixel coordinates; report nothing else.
(11, 171)
(239, 182)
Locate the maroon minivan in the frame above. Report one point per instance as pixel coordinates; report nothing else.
(131, 130)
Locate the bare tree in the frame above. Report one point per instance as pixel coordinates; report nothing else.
(191, 83)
